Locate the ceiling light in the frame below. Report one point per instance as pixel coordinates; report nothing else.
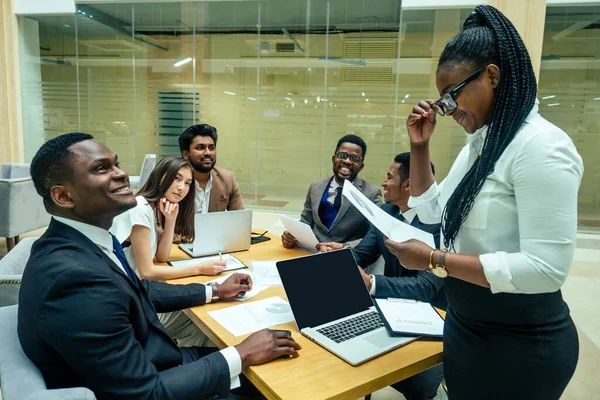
(363, 94)
(310, 69)
(251, 98)
(596, 98)
(288, 98)
(548, 97)
(185, 60)
(290, 94)
(553, 104)
(68, 26)
(407, 96)
(229, 93)
(91, 16)
(367, 100)
(83, 12)
(318, 99)
(403, 101)
(305, 101)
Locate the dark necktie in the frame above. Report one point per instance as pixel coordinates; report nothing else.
(337, 202)
(118, 250)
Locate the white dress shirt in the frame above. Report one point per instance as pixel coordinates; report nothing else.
(203, 196)
(408, 215)
(102, 238)
(332, 191)
(524, 220)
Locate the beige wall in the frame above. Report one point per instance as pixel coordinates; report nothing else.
(11, 132)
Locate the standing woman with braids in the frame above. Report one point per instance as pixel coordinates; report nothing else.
(508, 209)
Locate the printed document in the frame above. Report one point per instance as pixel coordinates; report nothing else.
(265, 273)
(411, 318)
(302, 232)
(391, 227)
(251, 317)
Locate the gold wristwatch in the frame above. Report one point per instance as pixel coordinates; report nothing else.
(439, 269)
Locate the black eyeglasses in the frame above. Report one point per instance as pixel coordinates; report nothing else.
(448, 101)
(344, 156)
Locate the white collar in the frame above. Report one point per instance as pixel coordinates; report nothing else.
(476, 139)
(100, 237)
(409, 215)
(208, 184)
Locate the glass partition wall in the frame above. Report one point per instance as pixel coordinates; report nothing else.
(281, 80)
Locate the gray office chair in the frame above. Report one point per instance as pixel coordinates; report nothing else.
(11, 271)
(21, 380)
(136, 182)
(21, 208)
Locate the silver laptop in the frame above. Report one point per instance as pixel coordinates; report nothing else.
(332, 306)
(224, 232)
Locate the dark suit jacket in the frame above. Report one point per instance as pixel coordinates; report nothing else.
(225, 193)
(349, 224)
(84, 323)
(399, 281)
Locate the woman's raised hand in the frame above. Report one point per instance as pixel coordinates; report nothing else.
(168, 209)
(421, 122)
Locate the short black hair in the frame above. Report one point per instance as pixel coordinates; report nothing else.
(51, 163)
(404, 160)
(354, 139)
(185, 139)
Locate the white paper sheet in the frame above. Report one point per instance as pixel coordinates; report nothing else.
(302, 232)
(256, 289)
(411, 317)
(391, 227)
(265, 273)
(251, 317)
(232, 262)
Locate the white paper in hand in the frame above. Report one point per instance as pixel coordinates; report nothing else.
(301, 231)
(391, 227)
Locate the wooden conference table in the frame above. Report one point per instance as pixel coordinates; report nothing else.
(316, 373)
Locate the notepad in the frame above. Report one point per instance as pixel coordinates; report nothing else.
(406, 318)
(233, 262)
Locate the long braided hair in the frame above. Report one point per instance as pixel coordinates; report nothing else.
(488, 37)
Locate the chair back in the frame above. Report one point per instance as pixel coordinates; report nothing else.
(147, 167)
(12, 266)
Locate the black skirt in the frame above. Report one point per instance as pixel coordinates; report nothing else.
(519, 347)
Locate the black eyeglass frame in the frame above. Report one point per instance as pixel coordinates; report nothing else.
(448, 100)
(342, 155)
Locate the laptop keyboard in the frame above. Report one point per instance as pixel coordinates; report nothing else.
(353, 327)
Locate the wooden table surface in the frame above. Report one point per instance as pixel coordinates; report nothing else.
(316, 373)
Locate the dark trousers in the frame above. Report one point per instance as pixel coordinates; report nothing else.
(422, 386)
(247, 391)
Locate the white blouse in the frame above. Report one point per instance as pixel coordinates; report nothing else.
(524, 220)
(123, 224)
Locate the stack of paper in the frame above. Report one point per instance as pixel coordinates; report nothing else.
(265, 273)
(251, 317)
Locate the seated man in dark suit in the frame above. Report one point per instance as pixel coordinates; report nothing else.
(85, 319)
(216, 188)
(331, 217)
(398, 281)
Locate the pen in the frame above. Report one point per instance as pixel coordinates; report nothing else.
(220, 256)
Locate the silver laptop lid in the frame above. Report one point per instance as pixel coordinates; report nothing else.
(323, 287)
(225, 231)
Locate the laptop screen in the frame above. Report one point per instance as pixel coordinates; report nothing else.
(324, 287)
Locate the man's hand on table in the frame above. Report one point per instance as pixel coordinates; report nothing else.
(235, 286)
(266, 345)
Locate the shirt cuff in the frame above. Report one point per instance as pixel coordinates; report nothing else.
(208, 289)
(497, 272)
(425, 197)
(234, 362)
(372, 291)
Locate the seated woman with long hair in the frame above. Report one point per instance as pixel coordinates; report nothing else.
(165, 210)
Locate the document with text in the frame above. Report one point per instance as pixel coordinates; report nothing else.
(391, 227)
(265, 273)
(301, 231)
(410, 318)
(251, 317)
